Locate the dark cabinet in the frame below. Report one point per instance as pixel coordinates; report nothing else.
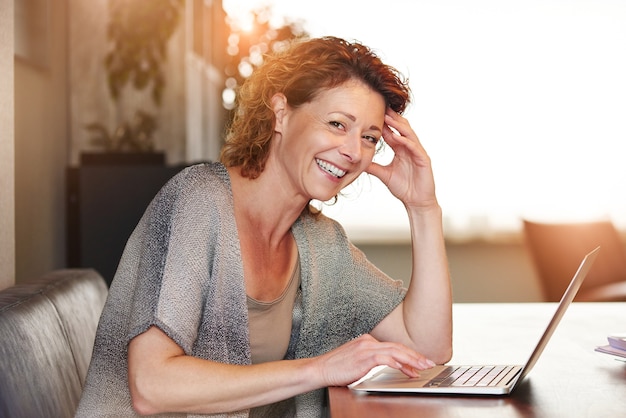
(105, 200)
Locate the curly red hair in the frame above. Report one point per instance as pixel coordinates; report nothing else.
(300, 72)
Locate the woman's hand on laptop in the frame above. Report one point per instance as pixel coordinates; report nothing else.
(353, 360)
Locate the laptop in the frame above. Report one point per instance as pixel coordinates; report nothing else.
(473, 379)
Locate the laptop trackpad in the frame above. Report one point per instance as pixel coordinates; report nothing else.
(392, 378)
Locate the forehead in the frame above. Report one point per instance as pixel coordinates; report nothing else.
(353, 93)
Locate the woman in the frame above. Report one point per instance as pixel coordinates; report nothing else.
(234, 295)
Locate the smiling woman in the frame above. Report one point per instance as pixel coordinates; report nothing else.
(520, 104)
(213, 262)
(347, 118)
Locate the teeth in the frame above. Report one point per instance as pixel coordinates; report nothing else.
(331, 169)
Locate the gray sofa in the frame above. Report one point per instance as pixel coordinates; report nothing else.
(47, 329)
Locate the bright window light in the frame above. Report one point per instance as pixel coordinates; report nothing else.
(521, 105)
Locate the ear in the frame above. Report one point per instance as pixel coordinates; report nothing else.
(279, 106)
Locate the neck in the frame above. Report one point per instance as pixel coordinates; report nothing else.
(263, 205)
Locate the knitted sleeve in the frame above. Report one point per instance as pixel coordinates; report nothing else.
(344, 294)
(175, 257)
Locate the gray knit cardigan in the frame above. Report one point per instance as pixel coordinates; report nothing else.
(182, 271)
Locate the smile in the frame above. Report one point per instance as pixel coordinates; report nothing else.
(330, 169)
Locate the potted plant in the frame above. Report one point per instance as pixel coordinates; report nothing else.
(138, 32)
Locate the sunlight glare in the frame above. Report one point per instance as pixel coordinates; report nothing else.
(240, 12)
(520, 104)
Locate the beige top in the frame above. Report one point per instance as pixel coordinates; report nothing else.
(270, 323)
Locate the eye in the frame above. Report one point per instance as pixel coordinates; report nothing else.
(371, 138)
(336, 124)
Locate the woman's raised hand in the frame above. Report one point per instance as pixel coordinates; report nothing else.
(409, 176)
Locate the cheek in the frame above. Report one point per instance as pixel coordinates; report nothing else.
(368, 155)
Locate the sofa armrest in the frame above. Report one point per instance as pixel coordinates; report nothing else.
(48, 328)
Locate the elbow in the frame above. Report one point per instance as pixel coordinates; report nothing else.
(150, 381)
(142, 397)
(142, 406)
(443, 356)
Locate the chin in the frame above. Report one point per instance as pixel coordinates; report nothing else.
(324, 197)
(324, 194)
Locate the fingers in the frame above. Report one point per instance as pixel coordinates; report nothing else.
(409, 175)
(398, 131)
(353, 360)
(393, 355)
(400, 124)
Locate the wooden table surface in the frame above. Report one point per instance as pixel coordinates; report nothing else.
(569, 380)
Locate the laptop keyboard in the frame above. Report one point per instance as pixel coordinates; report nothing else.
(470, 376)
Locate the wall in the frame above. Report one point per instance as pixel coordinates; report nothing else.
(7, 198)
(41, 152)
(480, 271)
(89, 97)
(66, 77)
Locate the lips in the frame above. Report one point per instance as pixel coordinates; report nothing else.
(330, 169)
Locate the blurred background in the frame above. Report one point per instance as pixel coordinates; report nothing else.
(520, 105)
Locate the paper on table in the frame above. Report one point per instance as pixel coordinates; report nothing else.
(607, 349)
(617, 341)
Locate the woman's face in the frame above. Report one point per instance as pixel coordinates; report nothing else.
(324, 145)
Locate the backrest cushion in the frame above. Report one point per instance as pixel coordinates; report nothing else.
(79, 297)
(47, 329)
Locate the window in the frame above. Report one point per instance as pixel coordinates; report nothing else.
(521, 105)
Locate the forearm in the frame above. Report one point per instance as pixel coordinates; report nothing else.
(428, 303)
(189, 384)
(163, 379)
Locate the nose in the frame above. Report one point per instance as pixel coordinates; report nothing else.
(351, 148)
